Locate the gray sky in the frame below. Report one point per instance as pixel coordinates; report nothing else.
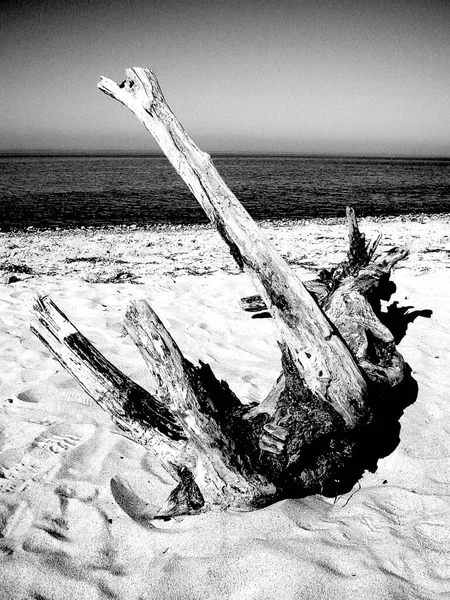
(275, 76)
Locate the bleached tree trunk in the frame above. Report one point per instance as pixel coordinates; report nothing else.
(319, 356)
(339, 362)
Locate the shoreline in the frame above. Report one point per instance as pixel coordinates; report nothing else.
(130, 253)
(133, 254)
(264, 223)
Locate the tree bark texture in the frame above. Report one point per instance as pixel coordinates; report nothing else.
(317, 351)
(341, 374)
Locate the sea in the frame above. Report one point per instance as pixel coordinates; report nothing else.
(73, 190)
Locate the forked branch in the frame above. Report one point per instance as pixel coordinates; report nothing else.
(341, 372)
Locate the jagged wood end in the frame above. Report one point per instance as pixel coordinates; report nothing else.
(373, 246)
(184, 499)
(389, 259)
(320, 356)
(357, 253)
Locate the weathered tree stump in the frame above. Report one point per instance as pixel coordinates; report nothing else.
(341, 373)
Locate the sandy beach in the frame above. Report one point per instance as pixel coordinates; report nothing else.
(63, 535)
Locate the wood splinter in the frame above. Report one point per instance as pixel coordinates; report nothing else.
(341, 373)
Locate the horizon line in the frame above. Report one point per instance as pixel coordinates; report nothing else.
(104, 152)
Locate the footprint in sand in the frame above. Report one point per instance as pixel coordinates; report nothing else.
(70, 532)
(14, 526)
(42, 459)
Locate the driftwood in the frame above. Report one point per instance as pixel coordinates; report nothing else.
(255, 304)
(342, 376)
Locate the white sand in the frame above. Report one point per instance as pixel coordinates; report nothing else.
(64, 535)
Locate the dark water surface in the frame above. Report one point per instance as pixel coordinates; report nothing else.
(69, 191)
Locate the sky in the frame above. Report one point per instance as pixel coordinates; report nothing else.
(313, 77)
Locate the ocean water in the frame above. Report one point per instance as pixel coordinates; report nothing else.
(74, 190)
